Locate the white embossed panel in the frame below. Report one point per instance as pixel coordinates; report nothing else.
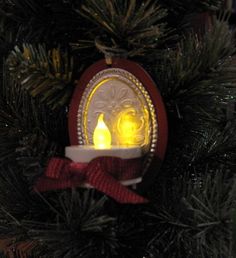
(116, 92)
(112, 98)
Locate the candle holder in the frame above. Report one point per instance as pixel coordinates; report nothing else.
(132, 107)
(118, 133)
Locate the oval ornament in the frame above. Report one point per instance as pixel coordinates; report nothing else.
(132, 106)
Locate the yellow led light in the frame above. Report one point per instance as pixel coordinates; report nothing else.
(101, 135)
(128, 129)
(131, 127)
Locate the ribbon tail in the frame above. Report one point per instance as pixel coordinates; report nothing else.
(105, 183)
(57, 176)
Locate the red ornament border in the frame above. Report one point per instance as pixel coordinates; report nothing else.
(147, 82)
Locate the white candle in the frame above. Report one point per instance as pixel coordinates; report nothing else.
(85, 153)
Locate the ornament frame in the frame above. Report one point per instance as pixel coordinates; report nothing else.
(160, 114)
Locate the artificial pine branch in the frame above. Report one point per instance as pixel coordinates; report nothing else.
(217, 146)
(233, 246)
(197, 58)
(17, 203)
(209, 5)
(45, 21)
(199, 223)
(132, 222)
(6, 37)
(47, 74)
(198, 81)
(29, 132)
(193, 6)
(81, 227)
(13, 190)
(133, 26)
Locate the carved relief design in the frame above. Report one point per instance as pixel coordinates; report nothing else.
(126, 106)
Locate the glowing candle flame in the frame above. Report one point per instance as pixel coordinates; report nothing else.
(101, 135)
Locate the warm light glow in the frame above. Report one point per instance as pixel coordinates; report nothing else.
(130, 128)
(101, 135)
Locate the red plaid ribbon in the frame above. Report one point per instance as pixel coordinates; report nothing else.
(102, 173)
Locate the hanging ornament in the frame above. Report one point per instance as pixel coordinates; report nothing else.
(118, 132)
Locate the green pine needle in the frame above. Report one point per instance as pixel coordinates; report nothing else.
(133, 26)
(46, 74)
(199, 224)
(198, 58)
(30, 133)
(194, 5)
(82, 228)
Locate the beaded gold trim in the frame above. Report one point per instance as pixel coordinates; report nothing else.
(140, 92)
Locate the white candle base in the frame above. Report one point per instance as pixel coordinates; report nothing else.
(86, 153)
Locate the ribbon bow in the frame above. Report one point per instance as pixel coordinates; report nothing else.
(102, 173)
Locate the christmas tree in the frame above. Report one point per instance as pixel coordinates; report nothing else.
(188, 48)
